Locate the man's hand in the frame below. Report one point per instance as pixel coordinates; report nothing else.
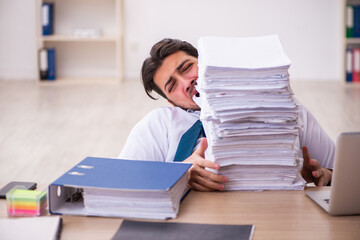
(201, 179)
(313, 172)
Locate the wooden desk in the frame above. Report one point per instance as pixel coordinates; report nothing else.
(275, 214)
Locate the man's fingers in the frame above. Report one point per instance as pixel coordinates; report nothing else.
(209, 175)
(321, 182)
(198, 187)
(315, 164)
(207, 183)
(309, 163)
(207, 179)
(206, 164)
(202, 148)
(319, 178)
(306, 156)
(312, 170)
(318, 173)
(200, 178)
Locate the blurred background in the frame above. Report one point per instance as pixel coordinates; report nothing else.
(46, 127)
(312, 32)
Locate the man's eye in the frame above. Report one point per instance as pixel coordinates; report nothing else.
(171, 87)
(187, 67)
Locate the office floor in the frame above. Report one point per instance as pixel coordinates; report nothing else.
(45, 130)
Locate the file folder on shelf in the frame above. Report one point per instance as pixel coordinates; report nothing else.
(356, 65)
(349, 21)
(51, 54)
(356, 30)
(120, 188)
(43, 63)
(47, 18)
(349, 65)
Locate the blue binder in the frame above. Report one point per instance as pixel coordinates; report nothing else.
(349, 65)
(43, 63)
(356, 31)
(47, 18)
(51, 74)
(107, 174)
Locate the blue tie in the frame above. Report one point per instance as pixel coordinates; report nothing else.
(188, 141)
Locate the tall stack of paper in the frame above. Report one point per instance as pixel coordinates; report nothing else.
(120, 188)
(248, 112)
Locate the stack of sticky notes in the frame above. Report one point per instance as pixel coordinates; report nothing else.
(21, 202)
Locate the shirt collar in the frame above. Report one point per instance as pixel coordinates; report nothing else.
(195, 112)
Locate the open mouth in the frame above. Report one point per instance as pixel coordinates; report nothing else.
(196, 98)
(194, 92)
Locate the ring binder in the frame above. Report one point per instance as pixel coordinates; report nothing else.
(120, 188)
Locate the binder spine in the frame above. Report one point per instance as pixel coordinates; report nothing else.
(356, 65)
(349, 65)
(349, 21)
(356, 22)
(43, 64)
(51, 64)
(47, 18)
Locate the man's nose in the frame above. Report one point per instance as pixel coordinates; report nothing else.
(186, 82)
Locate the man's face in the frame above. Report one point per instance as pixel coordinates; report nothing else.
(176, 78)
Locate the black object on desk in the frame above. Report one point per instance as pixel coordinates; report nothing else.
(175, 231)
(11, 185)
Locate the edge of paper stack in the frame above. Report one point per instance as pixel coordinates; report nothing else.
(249, 114)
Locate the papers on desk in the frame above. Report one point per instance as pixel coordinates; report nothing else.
(147, 203)
(248, 112)
(39, 228)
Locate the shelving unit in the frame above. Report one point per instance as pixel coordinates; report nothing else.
(353, 42)
(84, 59)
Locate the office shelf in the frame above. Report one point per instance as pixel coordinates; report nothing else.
(83, 60)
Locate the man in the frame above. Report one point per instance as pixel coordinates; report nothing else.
(172, 71)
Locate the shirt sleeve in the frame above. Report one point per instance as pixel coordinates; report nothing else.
(148, 139)
(321, 147)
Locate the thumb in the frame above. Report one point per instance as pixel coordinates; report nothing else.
(306, 157)
(203, 146)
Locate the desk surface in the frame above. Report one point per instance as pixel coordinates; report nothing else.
(275, 214)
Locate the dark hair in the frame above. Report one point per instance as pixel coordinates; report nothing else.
(158, 53)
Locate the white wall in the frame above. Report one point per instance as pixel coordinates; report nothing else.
(17, 39)
(311, 31)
